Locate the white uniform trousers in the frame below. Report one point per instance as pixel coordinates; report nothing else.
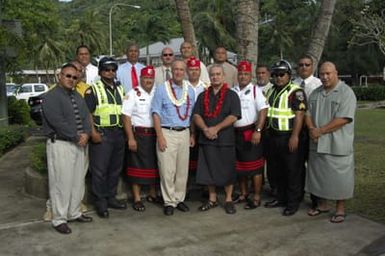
(173, 166)
(67, 167)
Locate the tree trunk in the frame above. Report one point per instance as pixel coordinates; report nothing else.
(321, 30)
(247, 30)
(184, 14)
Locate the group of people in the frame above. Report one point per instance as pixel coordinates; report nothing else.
(167, 124)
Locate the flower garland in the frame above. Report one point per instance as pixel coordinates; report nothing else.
(218, 107)
(184, 117)
(171, 94)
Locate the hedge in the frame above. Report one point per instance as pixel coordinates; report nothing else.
(10, 137)
(39, 158)
(372, 93)
(18, 111)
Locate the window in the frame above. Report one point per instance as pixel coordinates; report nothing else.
(39, 88)
(25, 88)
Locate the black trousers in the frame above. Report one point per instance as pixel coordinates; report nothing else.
(285, 168)
(106, 164)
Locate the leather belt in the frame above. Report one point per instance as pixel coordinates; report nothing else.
(147, 130)
(244, 128)
(175, 128)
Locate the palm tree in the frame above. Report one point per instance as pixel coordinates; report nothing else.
(183, 11)
(321, 30)
(247, 29)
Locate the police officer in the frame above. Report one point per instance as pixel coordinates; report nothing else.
(284, 123)
(104, 100)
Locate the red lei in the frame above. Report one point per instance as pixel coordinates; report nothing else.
(218, 107)
(184, 117)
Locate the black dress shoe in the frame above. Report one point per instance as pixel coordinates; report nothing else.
(103, 213)
(182, 207)
(168, 210)
(115, 204)
(63, 229)
(84, 219)
(274, 204)
(289, 211)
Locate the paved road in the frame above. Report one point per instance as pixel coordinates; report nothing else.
(257, 232)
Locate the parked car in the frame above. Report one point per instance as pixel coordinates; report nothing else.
(11, 89)
(36, 111)
(29, 90)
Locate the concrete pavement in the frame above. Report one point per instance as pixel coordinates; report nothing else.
(255, 232)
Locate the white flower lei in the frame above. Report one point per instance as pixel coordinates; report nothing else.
(170, 95)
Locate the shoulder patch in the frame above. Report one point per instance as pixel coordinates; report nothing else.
(300, 95)
(302, 106)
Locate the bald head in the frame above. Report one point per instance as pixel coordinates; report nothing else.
(328, 75)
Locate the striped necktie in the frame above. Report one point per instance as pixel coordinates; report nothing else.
(168, 74)
(79, 123)
(302, 84)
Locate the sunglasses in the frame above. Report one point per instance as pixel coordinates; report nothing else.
(109, 70)
(278, 74)
(168, 54)
(70, 76)
(304, 65)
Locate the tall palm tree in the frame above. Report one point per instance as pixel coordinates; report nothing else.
(184, 14)
(247, 29)
(321, 30)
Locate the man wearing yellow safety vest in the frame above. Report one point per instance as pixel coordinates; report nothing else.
(104, 100)
(284, 123)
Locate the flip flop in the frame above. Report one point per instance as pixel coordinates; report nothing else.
(317, 211)
(252, 204)
(338, 218)
(138, 206)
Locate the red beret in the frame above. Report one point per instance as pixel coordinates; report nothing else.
(244, 66)
(148, 71)
(192, 62)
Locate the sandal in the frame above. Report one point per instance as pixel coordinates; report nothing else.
(316, 211)
(207, 206)
(240, 199)
(252, 204)
(230, 207)
(138, 206)
(154, 200)
(338, 218)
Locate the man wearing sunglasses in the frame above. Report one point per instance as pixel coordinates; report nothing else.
(284, 124)
(163, 73)
(104, 100)
(67, 125)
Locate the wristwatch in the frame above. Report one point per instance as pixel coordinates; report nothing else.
(258, 129)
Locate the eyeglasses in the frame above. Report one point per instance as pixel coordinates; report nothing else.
(70, 76)
(304, 65)
(109, 70)
(167, 54)
(278, 74)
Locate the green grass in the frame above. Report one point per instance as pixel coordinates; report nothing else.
(369, 198)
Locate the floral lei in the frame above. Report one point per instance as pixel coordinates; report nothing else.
(181, 101)
(171, 94)
(218, 107)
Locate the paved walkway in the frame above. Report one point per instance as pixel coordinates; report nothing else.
(257, 232)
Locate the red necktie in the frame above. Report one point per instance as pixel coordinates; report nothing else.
(134, 78)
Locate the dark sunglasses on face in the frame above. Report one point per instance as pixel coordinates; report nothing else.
(109, 70)
(304, 65)
(278, 75)
(168, 54)
(70, 76)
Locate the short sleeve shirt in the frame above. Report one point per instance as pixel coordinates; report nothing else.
(252, 101)
(324, 106)
(137, 105)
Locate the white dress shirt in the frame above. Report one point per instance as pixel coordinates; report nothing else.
(310, 84)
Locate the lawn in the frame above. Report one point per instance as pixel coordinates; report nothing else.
(369, 198)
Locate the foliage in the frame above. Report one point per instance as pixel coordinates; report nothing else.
(10, 137)
(372, 93)
(18, 111)
(39, 158)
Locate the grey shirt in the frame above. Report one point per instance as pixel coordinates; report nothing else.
(323, 107)
(59, 116)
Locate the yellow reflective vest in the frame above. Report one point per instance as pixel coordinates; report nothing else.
(109, 106)
(280, 113)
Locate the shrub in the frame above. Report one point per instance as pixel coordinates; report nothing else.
(39, 158)
(11, 136)
(18, 111)
(373, 93)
